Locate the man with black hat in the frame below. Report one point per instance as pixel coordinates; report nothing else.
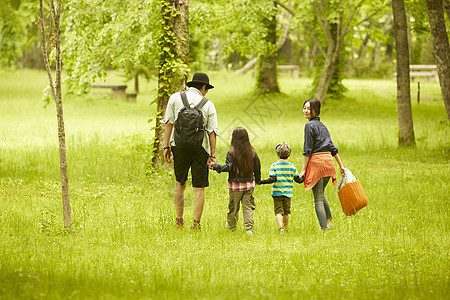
(184, 160)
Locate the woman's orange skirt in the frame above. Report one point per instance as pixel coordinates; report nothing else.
(320, 165)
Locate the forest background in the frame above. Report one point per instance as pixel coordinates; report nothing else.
(122, 242)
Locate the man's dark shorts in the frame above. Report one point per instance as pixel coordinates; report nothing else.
(196, 161)
(281, 205)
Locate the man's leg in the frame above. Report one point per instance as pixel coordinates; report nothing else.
(179, 199)
(199, 203)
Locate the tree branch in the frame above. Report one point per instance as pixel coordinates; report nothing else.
(370, 16)
(352, 15)
(285, 7)
(315, 39)
(322, 21)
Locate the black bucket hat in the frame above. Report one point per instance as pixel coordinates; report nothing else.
(201, 78)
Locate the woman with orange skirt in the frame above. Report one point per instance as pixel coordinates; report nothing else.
(318, 164)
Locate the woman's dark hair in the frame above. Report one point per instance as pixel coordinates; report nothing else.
(242, 152)
(314, 106)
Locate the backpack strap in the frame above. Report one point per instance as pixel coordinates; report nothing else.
(186, 102)
(184, 99)
(201, 103)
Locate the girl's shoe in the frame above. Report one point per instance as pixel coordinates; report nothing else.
(281, 230)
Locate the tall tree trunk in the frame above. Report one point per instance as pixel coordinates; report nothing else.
(266, 80)
(441, 48)
(54, 32)
(174, 61)
(329, 67)
(405, 123)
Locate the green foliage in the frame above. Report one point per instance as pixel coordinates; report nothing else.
(11, 32)
(104, 34)
(419, 16)
(226, 28)
(18, 32)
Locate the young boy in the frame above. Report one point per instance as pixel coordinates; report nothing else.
(282, 174)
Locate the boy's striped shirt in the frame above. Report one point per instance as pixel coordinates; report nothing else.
(285, 172)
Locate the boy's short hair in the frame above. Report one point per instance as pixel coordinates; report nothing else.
(283, 150)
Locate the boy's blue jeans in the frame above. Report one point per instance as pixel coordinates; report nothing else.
(321, 202)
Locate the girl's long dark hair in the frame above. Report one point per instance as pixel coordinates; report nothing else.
(242, 152)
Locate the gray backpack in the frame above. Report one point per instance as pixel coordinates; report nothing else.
(189, 128)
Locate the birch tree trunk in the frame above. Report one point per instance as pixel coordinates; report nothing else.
(441, 48)
(54, 35)
(405, 123)
(174, 61)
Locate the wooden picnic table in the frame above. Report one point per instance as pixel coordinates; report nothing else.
(425, 71)
(118, 91)
(293, 68)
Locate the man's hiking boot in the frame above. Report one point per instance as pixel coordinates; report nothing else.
(179, 223)
(196, 225)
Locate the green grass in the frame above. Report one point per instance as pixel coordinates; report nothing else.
(124, 244)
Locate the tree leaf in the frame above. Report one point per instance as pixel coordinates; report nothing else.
(15, 4)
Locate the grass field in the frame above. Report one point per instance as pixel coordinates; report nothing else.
(125, 246)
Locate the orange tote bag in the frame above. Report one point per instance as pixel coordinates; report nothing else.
(352, 197)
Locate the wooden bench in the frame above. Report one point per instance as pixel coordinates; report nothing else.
(118, 91)
(292, 68)
(424, 71)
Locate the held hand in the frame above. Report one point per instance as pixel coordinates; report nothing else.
(342, 170)
(302, 174)
(211, 160)
(167, 155)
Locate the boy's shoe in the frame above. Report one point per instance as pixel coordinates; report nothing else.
(179, 223)
(281, 230)
(196, 225)
(249, 232)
